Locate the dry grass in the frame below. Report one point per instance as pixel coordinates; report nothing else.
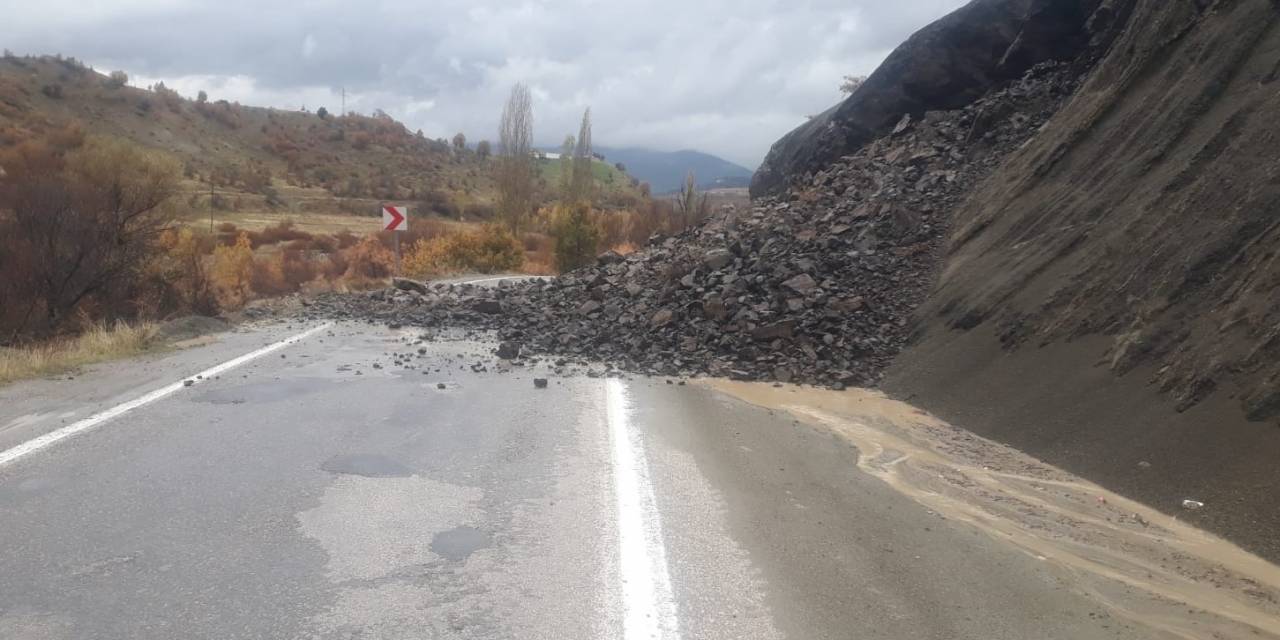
(625, 248)
(311, 222)
(98, 344)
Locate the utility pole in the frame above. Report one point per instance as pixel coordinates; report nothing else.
(344, 102)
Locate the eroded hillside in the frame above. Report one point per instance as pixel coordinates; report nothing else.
(1110, 297)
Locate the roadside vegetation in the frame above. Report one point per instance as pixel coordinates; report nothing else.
(99, 343)
(103, 232)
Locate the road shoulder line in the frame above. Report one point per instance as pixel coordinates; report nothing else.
(80, 426)
(648, 605)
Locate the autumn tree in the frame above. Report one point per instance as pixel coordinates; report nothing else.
(181, 266)
(515, 159)
(82, 223)
(233, 272)
(583, 178)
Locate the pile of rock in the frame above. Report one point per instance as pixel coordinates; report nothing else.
(817, 287)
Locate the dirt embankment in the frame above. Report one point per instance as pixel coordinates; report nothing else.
(1111, 295)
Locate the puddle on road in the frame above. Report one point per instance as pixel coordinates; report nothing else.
(369, 465)
(1144, 565)
(459, 543)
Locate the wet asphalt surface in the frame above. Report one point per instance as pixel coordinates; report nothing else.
(309, 494)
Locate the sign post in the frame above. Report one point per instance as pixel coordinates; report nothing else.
(395, 219)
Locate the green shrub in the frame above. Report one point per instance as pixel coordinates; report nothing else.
(577, 237)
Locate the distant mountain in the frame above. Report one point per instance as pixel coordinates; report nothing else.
(665, 170)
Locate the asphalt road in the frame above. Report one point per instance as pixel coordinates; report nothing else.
(308, 493)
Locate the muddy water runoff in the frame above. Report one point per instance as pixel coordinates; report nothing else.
(1143, 565)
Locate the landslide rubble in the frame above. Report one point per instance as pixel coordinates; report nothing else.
(814, 287)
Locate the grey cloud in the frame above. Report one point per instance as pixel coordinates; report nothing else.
(723, 77)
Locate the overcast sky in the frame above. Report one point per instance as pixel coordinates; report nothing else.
(726, 77)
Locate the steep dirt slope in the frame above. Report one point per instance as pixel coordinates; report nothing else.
(1110, 298)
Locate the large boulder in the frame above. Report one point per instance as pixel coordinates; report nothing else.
(944, 66)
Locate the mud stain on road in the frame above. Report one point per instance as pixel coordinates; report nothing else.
(1144, 565)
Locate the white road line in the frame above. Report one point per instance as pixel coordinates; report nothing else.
(514, 277)
(649, 607)
(479, 280)
(36, 444)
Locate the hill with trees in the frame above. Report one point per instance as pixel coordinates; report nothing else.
(665, 171)
(235, 156)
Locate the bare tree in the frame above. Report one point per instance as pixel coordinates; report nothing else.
(566, 170)
(690, 206)
(482, 148)
(459, 141)
(515, 159)
(583, 179)
(117, 79)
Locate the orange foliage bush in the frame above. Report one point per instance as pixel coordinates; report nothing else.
(182, 266)
(232, 274)
(490, 249)
(282, 273)
(539, 257)
(369, 259)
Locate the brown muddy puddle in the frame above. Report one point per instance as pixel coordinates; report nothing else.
(1143, 565)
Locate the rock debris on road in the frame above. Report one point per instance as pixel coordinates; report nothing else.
(814, 288)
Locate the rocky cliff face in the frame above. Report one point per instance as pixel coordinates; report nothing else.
(944, 66)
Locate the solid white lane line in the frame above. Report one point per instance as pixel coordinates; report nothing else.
(647, 601)
(479, 280)
(513, 277)
(36, 444)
